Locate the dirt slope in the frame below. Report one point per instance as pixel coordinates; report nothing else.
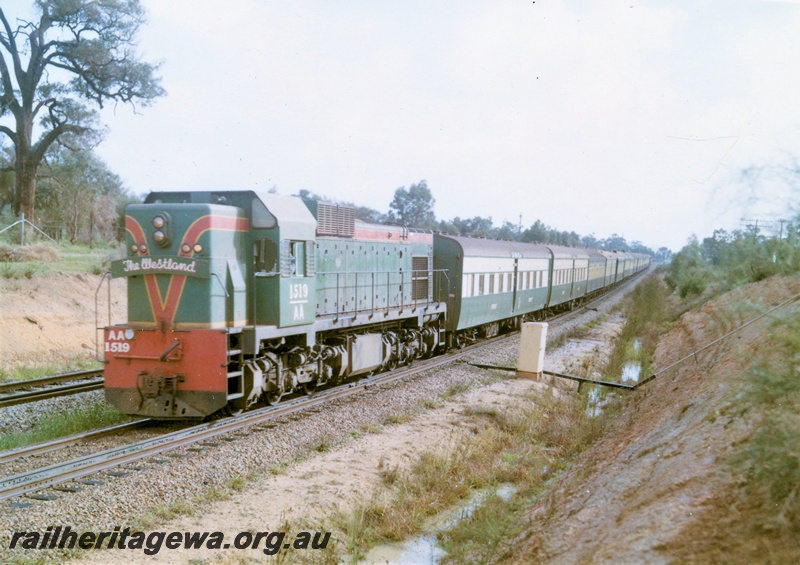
(49, 320)
(638, 495)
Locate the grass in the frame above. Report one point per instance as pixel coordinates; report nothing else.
(455, 389)
(646, 313)
(770, 461)
(60, 425)
(525, 447)
(159, 514)
(528, 448)
(45, 258)
(47, 368)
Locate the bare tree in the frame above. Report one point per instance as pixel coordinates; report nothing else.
(77, 50)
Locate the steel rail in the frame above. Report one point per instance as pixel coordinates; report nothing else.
(51, 392)
(60, 443)
(48, 380)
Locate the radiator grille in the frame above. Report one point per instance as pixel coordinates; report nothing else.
(420, 287)
(335, 220)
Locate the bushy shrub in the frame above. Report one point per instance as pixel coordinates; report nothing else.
(771, 458)
(40, 252)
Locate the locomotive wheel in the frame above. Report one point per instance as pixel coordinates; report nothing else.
(273, 397)
(310, 387)
(235, 408)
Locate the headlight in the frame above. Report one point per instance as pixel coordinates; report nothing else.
(134, 248)
(185, 248)
(159, 222)
(142, 248)
(159, 237)
(198, 248)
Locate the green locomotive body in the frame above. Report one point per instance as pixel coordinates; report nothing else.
(236, 297)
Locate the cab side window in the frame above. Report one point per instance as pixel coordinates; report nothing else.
(265, 256)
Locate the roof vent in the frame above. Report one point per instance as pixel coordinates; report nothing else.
(333, 219)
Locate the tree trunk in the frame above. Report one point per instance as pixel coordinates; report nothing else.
(26, 166)
(75, 216)
(26, 190)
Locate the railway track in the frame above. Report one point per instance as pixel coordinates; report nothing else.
(15, 392)
(31, 481)
(24, 483)
(62, 442)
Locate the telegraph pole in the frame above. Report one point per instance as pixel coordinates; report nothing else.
(754, 224)
(781, 232)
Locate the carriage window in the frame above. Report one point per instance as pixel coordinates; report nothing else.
(481, 285)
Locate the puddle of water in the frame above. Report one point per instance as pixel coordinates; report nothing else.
(631, 371)
(424, 548)
(595, 402)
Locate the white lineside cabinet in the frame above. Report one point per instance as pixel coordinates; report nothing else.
(533, 341)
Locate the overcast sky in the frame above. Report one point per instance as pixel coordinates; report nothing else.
(594, 116)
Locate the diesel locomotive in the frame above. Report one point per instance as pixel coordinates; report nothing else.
(240, 297)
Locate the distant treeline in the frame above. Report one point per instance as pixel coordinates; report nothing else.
(729, 259)
(413, 207)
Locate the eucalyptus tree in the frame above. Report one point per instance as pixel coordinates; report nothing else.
(413, 207)
(57, 68)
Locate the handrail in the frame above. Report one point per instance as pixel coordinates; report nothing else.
(106, 275)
